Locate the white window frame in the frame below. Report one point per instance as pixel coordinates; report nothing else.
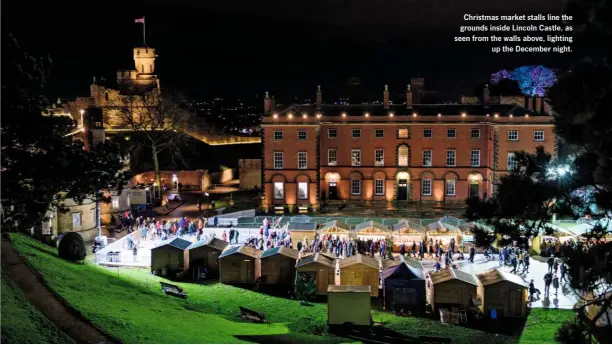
(451, 187)
(355, 133)
(475, 159)
(331, 162)
(357, 184)
(427, 131)
(475, 131)
(302, 158)
(330, 131)
(449, 131)
(537, 137)
(424, 162)
(424, 183)
(511, 161)
(451, 158)
(278, 135)
(300, 185)
(302, 131)
(379, 161)
(279, 157)
(276, 187)
(379, 187)
(357, 162)
(78, 221)
(405, 136)
(512, 136)
(376, 132)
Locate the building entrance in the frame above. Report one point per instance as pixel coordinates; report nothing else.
(333, 191)
(402, 189)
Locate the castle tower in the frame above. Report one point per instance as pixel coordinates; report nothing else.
(144, 59)
(143, 76)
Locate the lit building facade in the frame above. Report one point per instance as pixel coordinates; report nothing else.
(388, 153)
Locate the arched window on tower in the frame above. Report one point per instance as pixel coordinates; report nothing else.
(142, 68)
(402, 156)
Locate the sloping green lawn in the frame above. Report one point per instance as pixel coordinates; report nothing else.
(542, 325)
(23, 323)
(128, 304)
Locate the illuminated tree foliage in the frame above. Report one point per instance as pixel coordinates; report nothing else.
(532, 80)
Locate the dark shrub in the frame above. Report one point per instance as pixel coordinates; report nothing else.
(72, 247)
(572, 332)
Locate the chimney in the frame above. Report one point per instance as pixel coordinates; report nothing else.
(417, 89)
(485, 96)
(538, 105)
(386, 97)
(319, 98)
(547, 108)
(408, 97)
(530, 103)
(267, 104)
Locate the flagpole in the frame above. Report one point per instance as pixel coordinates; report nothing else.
(144, 31)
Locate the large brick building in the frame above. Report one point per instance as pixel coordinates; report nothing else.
(387, 152)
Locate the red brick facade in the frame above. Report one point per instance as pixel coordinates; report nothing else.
(415, 145)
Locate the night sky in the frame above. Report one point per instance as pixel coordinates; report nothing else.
(244, 47)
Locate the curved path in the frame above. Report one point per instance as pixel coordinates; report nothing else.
(64, 318)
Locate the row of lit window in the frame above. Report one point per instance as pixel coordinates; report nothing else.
(391, 114)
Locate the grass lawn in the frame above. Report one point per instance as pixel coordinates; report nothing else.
(128, 304)
(22, 322)
(542, 325)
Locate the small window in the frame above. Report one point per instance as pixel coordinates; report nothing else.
(279, 190)
(356, 133)
(538, 135)
(332, 133)
(451, 158)
(512, 162)
(106, 96)
(278, 160)
(451, 133)
(450, 187)
(302, 160)
(356, 158)
(379, 187)
(76, 219)
(278, 135)
(379, 157)
(427, 161)
(142, 68)
(379, 133)
(427, 133)
(115, 202)
(331, 157)
(513, 135)
(426, 184)
(302, 190)
(475, 158)
(475, 133)
(302, 135)
(403, 133)
(151, 68)
(355, 187)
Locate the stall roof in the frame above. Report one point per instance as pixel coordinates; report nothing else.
(301, 226)
(404, 270)
(282, 250)
(243, 249)
(496, 275)
(349, 288)
(176, 242)
(450, 274)
(468, 226)
(212, 242)
(335, 224)
(439, 226)
(408, 224)
(376, 227)
(359, 259)
(389, 263)
(315, 258)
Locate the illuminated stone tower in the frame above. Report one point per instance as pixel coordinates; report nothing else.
(144, 75)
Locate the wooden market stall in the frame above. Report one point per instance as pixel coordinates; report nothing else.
(278, 266)
(204, 256)
(360, 270)
(505, 292)
(335, 229)
(299, 231)
(546, 244)
(438, 231)
(168, 257)
(404, 287)
(239, 265)
(408, 232)
(372, 230)
(349, 304)
(451, 288)
(467, 235)
(317, 270)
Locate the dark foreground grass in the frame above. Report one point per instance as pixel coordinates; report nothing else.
(128, 304)
(22, 323)
(542, 325)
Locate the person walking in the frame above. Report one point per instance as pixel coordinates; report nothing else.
(555, 283)
(533, 291)
(403, 249)
(547, 282)
(231, 235)
(551, 262)
(236, 234)
(472, 254)
(562, 269)
(135, 252)
(224, 236)
(514, 264)
(526, 263)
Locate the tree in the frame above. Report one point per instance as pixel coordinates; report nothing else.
(158, 117)
(532, 80)
(72, 247)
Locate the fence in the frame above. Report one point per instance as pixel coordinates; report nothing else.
(258, 220)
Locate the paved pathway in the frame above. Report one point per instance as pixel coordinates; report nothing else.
(47, 302)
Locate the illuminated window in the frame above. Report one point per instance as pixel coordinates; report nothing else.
(115, 202)
(450, 158)
(302, 135)
(475, 158)
(427, 158)
(332, 133)
(402, 156)
(356, 158)
(512, 162)
(476, 133)
(278, 160)
(379, 187)
(513, 135)
(302, 160)
(538, 135)
(451, 133)
(331, 157)
(403, 133)
(278, 135)
(426, 184)
(427, 133)
(450, 187)
(379, 133)
(279, 190)
(355, 187)
(379, 157)
(302, 190)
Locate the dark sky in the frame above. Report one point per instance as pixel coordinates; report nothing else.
(244, 47)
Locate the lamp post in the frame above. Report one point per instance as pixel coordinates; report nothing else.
(82, 123)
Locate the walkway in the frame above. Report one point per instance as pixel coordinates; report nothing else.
(47, 302)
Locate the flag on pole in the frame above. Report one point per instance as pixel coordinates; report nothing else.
(139, 20)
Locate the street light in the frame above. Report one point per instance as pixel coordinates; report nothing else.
(82, 123)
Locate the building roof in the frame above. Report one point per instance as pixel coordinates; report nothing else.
(349, 288)
(300, 226)
(440, 227)
(407, 226)
(359, 259)
(176, 242)
(282, 250)
(404, 270)
(242, 249)
(335, 226)
(316, 258)
(451, 274)
(212, 242)
(371, 227)
(496, 275)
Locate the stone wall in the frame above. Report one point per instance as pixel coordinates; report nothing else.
(249, 172)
